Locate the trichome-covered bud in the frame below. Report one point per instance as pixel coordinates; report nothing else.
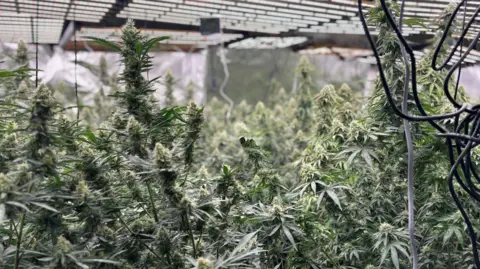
(43, 96)
(48, 156)
(23, 88)
(169, 84)
(260, 108)
(82, 189)
(385, 228)
(22, 54)
(5, 183)
(63, 245)
(117, 120)
(133, 126)
(162, 156)
(129, 27)
(185, 202)
(203, 263)
(85, 152)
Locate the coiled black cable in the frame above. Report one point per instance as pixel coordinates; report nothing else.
(466, 120)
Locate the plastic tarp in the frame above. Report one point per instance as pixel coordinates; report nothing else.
(58, 66)
(251, 71)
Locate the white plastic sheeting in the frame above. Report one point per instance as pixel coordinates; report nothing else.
(58, 66)
(470, 79)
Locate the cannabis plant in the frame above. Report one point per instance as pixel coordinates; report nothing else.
(306, 180)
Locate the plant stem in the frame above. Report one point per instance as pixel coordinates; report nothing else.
(145, 245)
(19, 241)
(190, 233)
(200, 238)
(20, 234)
(329, 257)
(150, 194)
(10, 236)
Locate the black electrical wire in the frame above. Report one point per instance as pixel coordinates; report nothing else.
(410, 153)
(383, 79)
(75, 52)
(466, 120)
(36, 45)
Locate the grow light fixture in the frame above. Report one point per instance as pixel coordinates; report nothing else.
(268, 42)
(80, 10)
(20, 15)
(266, 14)
(21, 26)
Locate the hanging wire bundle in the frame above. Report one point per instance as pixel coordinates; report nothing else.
(465, 134)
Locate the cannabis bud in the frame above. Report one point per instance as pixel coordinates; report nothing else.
(43, 96)
(129, 27)
(165, 244)
(436, 197)
(117, 120)
(5, 183)
(203, 192)
(426, 249)
(185, 203)
(345, 92)
(143, 224)
(243, 108)
(9, 141)
(82, 189)
(304, 67)
(23, 175)
(108, 233)
(22, 54)
(385, 228)
(63, 245)
(169, 83)
(48, 156)
(23, 88)
(85, 152)
(133, 126)
(260, 108)
(276, 210)
(327, 96)
(240, 128)
(203, 173)
(162, 156)
(203, 263)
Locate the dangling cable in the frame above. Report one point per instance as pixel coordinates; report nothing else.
(295, 82)
(75, 52)
(36, 45)
(461, 52)
(466, 134)
(223, 59)
(410, 164)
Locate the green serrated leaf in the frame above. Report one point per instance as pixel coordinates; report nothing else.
(289, 236)
(105, 42)
(334, 198)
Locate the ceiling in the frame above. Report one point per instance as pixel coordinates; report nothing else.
(313, 23)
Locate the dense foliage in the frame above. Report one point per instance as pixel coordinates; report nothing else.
(309, 179)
